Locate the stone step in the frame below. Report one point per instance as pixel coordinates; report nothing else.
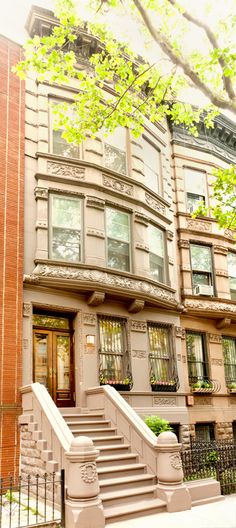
(116, 449)
(97, 432)
(119, 471)
(96, 424)
(116, 459)
(83, 417)
(146, 507)
(138, 480)
(104, 440)
(52, 466)
(128, 496)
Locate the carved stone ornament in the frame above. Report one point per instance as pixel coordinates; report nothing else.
(118, 185)
(41, 192)
(170, 235)
(199, 225)
(95, 203)
(178, 357)
(136, 306)
(203, 400)
(175, 461)
(89, 472)
(212, 306)
(217, 362)
(222, 273)
(142, 247)
(221, 250)
(96, 298)
(229, 233)
(169, 402)
(184, 359)
(41, 224)
(102, 278)
(183, 244)
(215, 338)
(139, 354)
(138, 326)
(154, 204)
(26, 309)
(141, 219)
(89, 319)
(180, 332)
(95, 233)
(68, 171)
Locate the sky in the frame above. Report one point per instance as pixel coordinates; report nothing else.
(13, 15)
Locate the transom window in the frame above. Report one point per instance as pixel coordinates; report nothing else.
(65, 228)
(151, 162)
(196, 355)
(156, 253)
(229, 351)
(118, 239)
(115, 150)
(201, 264)
(195, 187)
(59, 145)
(160, 353)
(232, 274)
(113, 349)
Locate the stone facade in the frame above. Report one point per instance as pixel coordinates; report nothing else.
(11, 253)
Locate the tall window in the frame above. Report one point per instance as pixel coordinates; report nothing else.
(229, 351)
(59, 145)
(118, 239)
(65, 228)
(232, 274)
(160, 353)
(196, 355)
(113, 348)
(195, 187)
(201, 264)
(151, 161)
(115, 150)
(156, 253)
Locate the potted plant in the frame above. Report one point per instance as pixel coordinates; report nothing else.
(202, 386)
(232, 387)
(162, 385)
(124, 384)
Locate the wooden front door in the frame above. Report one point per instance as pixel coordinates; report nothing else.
(53, 364)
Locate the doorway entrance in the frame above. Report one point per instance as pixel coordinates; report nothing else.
(53, 357)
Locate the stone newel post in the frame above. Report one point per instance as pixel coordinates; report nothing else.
(170, 487)
(83, 506)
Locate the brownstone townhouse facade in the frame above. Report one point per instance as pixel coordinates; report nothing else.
(11, 252)
(121, 284)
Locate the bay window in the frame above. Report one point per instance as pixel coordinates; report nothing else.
(232, 274)
(115, 150)
(156, 253)
(118, 239)
(195, 188)
(65, 228)
(151, 162)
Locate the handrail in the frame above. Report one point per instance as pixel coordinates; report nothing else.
(134, 419)
(57, 423)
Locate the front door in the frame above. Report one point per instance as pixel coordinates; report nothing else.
(53, 363)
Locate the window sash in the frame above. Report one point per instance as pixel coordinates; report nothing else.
(196, 356)
(160, 354)
(193, 201)
(59, 145)
(201, 258)
(229, 352)
(115, 150)
(151, 162)
(65, 232)
(156, 253)
(195, 182)
(112, 337)
(118, 239)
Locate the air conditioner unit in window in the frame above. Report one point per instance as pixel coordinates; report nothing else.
(203, 289)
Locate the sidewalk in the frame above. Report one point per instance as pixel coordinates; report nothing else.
(215, 515)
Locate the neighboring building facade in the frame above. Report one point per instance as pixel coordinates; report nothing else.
(11, 262)
(108, 278)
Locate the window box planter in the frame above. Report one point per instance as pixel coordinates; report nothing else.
(118, 386)
(163, 386)
(202, 387)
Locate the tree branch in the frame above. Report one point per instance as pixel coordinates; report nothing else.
(165, 45)
(213, 40)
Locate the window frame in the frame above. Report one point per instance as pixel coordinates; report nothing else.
(165, 263)
(57, 99)
(211, 426)
(229, 380)
(151, 140)
(205, 196)
(127, 162)
(232, 290)
(210, 275)
(50, 225)
(172, 372)
(205, 356)
(130, 245)
(125, 357)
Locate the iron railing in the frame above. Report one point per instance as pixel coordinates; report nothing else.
(215, 459)
(203, 384)
(32, 500)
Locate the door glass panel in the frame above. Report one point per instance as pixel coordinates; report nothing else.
(50, 321)
(63, 362)
(41, 359)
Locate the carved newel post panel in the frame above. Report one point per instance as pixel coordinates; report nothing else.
(83, 506)
(170, 487)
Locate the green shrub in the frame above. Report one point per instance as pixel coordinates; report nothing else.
(157, 425)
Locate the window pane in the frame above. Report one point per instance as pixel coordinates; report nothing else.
(156, 240)
(159, 353)
(201, 258)
(193, 201)
(115, 150)
(62, 148)
(156, 265)
(50, 321)
(118, 255)
(151, 160)
(232, 264)
(112, 351)
(229, 351)
(66, 244)
(63, 362)
(118, 225)
(195, 182)
(195, 355)
(41, 359)
(66, 212)
(200, 278)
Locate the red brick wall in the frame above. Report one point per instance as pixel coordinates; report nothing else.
(11, 252)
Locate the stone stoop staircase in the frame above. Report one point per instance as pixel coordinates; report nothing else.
(127, 490)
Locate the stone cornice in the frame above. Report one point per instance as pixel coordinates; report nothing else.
(85, 280)
(210, 307)
(219, 141)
